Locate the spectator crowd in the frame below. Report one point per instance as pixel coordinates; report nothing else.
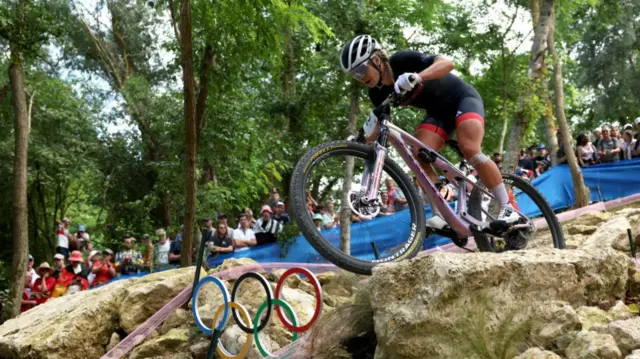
(78, 266)
(604, 145)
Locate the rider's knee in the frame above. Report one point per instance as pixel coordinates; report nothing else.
(468, 148)
(478, 159)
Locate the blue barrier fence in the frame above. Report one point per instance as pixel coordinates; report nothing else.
(610, 181)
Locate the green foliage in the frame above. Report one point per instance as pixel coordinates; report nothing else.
(117, 65)
(286, 238)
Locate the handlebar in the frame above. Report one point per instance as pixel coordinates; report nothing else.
(394, 99)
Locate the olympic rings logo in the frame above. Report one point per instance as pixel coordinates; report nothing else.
(243, 320)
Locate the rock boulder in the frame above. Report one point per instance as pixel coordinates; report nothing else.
(418, 303)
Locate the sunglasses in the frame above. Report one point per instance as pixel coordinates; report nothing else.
(360, 70)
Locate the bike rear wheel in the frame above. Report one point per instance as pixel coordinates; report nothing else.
(382, 239)
(545, 232)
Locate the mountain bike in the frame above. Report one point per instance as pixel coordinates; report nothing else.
(352, 171)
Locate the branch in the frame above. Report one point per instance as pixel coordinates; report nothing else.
(203, 91)
(176, 31)
(30, 107)
(513, 19)
(104, 55)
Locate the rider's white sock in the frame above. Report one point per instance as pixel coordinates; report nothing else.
(501, 195)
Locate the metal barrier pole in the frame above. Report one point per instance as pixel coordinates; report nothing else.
(196, 278)
(632, 245)
(375, 250)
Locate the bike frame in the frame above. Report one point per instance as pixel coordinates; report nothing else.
(460, 222)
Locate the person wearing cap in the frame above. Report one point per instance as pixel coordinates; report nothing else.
(75, 273)
(83, 238)
(103, 269)
(243, 238)
(543, 154)
(44, 286)
(279, 214)
(317, 221)
(128, 260)
(58, 264)
(161, 251)
(30, 270)
(62, 236)
(266, 227)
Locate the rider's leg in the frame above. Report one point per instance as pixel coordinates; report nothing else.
(470, 131)
(433, 136)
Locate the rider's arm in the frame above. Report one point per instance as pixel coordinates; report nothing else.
(440, 67)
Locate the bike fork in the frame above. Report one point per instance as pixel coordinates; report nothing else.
(371, 177)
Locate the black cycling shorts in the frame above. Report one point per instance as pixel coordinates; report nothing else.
(469, 108)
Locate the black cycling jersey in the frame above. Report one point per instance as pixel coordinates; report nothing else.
(440, 97)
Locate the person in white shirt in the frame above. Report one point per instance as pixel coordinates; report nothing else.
(243, 237)
(34, 274)
(161, 250)
(266, 227)
(328, 216)
(62, 235)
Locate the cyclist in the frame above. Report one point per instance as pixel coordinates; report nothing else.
(451, 104)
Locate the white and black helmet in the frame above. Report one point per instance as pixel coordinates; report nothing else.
(357, 51)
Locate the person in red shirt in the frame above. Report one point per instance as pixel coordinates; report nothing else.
(27, 302)
(104, 269)
(44, 286)
(72, 274)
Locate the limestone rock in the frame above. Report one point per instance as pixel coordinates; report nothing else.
(113, 341)
(591, 316)
(593, 345)
(625, 332)
(612, 234)
(563, 342)
(326, 277)
(634, 285)
(575, 241)
(592, 218)
(413, 316)
(169, 345)
(580, 229)
(552, 321)
(232, 263)
(58, 328)
(620, 311)
(199, 349)
(629, 212)
(233, 339)
(175, 320)
(150, 294)
(634, 355)
(537, 353)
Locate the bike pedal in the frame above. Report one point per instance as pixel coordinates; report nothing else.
(499, 226)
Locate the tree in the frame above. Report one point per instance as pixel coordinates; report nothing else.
(527, 108)
(581, 192)
(25, 25)
(190, 131)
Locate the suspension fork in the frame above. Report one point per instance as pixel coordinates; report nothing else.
(373, 170)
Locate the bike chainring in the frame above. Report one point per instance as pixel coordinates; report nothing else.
(361, 208)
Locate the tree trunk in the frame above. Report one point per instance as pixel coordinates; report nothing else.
(190, 131)
(536, 62)
(289, 89)
(505, 114)
(20, 230)
(550, 127)
(345, 212)
(581, 191)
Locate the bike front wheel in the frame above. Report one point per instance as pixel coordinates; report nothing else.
(545, 230)
(364, 234)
